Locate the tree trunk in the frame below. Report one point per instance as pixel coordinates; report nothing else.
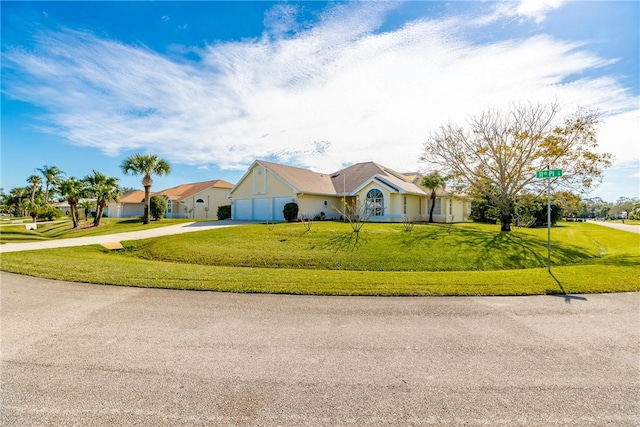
(99, 208)
(147, 201)
(433, 206)
(74, 215)
(505, 221)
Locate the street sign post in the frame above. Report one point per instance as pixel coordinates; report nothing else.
(549, 173)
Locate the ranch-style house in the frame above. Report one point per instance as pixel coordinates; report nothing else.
(390, 196)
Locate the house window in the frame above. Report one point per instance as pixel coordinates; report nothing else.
(419, 207)
(450, 206)
(199, 201)
(375, 202)
(404, 206)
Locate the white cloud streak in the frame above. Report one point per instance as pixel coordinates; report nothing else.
(323, 97)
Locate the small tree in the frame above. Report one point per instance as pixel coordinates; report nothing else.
(72, 190)
(290, 211)
(158, 207)
(433, 181)
(104, 189)
(224, 212)
(145, 165)
(86, 206)
(356, 213)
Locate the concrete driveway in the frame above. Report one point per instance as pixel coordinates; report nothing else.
(118, 237)
(88, 355)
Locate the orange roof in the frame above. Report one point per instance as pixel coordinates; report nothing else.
(183, 191)
(136, 196)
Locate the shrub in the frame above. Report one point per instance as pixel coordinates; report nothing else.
(290, 211)
(48, 213)
(158, 207)
(224, 212)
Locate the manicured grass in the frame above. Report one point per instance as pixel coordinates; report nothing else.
(604, 260)
(384, 247)
(62, 229)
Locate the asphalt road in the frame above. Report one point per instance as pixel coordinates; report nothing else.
(88, 355)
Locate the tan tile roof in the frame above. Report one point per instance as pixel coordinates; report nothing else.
(351, 178)
(304, 180)
(136, 196)
(183, 191)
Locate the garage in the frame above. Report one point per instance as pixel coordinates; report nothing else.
(242, 209)
(253, 209)
(278, 207)
(261, 209)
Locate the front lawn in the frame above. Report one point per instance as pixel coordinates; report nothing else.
(433, 259)
(63, 229)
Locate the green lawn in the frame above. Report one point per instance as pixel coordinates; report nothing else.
(465, 259)
(62, 229)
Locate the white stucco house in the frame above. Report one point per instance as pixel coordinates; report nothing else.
(390, 196)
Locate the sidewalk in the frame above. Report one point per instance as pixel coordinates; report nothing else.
(618, 226)
(119, 237)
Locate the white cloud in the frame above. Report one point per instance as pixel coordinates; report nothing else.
(330, 95)
(619, 135)
(525, 10)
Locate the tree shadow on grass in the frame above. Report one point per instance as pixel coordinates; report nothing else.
(348, 242)
(490, 250)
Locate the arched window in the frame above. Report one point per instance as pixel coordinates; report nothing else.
(199, 201)
(375, 202)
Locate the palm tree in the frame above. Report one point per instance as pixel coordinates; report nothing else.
(104, 189)
(433, 181)
(36, 182)
(72, 190)
(17, 198)
(52, 175)
(146, 165)
(86, 205)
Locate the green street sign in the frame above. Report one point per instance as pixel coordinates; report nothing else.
(553, 173)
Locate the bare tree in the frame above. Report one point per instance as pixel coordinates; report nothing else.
(499, 152)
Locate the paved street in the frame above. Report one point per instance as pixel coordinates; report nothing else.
(618, 226)
(87, 355)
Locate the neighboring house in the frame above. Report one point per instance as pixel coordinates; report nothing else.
(130, 204)
(196, 200)
(64, 206)
(390, 196)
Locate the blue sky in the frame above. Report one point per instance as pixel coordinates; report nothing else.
(211, 86)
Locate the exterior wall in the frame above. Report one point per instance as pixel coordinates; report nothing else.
(124, 210)
(261, 182)
(392, 203)
(415, 207)
(210, 199)
(452, 210)
(260, 196)
(313, 205)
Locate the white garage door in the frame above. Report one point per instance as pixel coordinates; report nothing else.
(278, 206)
(262, 209)
(242, 209)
